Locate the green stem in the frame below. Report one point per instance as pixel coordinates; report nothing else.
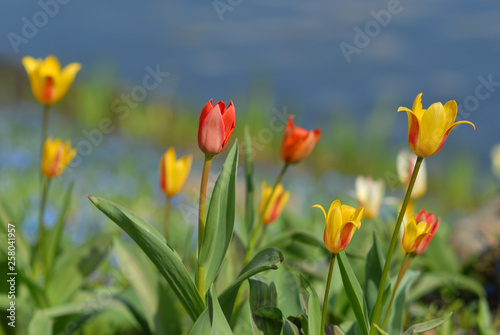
(166, 228)
(200, 279)
(327, 294)
(378, 305)
(45, 129)
(404, 266)
(256, 231)
(43, 202)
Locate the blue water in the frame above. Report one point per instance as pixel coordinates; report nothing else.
(440, 48)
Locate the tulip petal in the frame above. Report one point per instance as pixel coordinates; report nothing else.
(417, 106)
(229, 117)
(432, 129)
(206, 109)
(321, 207)
(450, 110)
(211, 132)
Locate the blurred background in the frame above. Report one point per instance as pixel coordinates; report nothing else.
(149, 67)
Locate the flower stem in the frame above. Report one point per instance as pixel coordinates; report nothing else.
(200, 279)
(378, 305)
(257, 229)
(43, 202)
(327, 294)
(45, 129)
(166, 228)
(404, 266)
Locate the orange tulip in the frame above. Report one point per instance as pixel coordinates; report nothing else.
(56, 156)
(216, 126)
(432, 224)
(429, 128)
(276, 204)
(297, 143)
(174, 172)
(342, 221)
(49, 82)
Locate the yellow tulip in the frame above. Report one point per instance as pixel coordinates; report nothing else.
(48, 82)
(370, 194)
(414, 234)
(56, 156)
(276, 204)
(429, 128)
(342, 221)
(174, 172)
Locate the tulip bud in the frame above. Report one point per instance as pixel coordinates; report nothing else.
(342, 222)
(414, 234)
(56, 155)
(276, 204)
(174, 172)
(432, 225)
(297, 143)
(216, 126)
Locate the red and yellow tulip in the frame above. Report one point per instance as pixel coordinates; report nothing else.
(342, 221)
(297, 143)
(174, 172)
(276, 204)
(49, 82)
(56, 156)
(370, 194)
(429, 128)
(432, 225)
(216, 126)
(414, 234)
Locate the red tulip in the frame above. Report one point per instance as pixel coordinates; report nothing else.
(216, 126)
(428, 217)
(297, 143)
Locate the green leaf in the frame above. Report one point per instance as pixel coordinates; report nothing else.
(395, 320)
(212, 321)
(380, 330)
(57, 232)
(142, 279)
(220, 219)
(263, 295)
(249, 199)
(484, 323)
(41, 323)
(432, 281)
(426, 326)
(311, 306)
(264, 260)
(270, 312)
(375, 261)
(289, 328)
(158, 250)
(73, 267)
(354, 292)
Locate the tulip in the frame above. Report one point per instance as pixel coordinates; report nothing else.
(216, 126)
(276, 204)
(297, 143)
(342, 221)
(56, 156)
(414, 234)
(174, 172)
(405, 164)
(432, 225)
(49, 82)
(370, 194)
(429, 128)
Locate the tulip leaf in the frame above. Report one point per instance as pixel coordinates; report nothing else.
(354, 292)
(212, 322)
(220, 219)
(249, 201)
(484, 322)
(159, 251)
(310, 305)
(394, 323)
(56, 233)
(289, 328)
(375, 261)
(264, 260)
(263, 301)
(380, 330)
(75, 265)
(426, 326)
